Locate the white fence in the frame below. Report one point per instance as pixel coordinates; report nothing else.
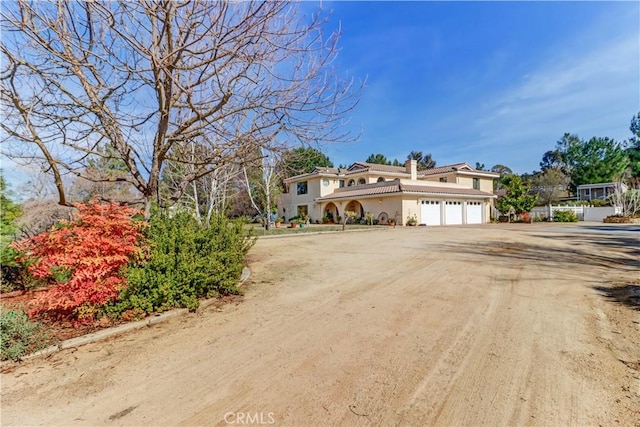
(584, 213)
(598, 214)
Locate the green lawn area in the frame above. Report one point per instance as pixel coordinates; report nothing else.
(258, 230)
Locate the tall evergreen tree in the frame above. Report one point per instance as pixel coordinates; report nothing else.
(424, 161)
(379, 159)
(633, 148)
(302, 160)
(591, 162)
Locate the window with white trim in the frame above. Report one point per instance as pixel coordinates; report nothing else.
(303, 187)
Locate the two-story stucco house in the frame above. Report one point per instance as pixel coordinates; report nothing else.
(454, 194)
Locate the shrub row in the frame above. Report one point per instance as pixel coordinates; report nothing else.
(107, 261)
(187, 261)
(80, 260)
(565, 216)
(19, 336)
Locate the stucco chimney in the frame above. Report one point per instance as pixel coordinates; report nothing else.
(412, 168)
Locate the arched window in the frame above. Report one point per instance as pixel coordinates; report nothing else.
(351, 182)
(362, 181)
(380, 179)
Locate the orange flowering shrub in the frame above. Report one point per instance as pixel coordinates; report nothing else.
(81, 259)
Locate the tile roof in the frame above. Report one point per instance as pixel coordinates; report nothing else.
(360, 167)
(444, 190)
(374, 167)
(321, 169)
(444, 169)
(395, 186)
(386, 187)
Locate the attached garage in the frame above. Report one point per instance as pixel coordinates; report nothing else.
(434, 204)
(430, 213)
(474, 212)
(453, 212)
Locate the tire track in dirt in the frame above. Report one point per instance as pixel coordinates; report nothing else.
(427, 401)
(422, 326)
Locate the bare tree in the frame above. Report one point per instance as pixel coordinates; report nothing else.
(207, 195)
(100, 180)
(40, 215)
(263, 187)
(627, 200)
(549, 185)
(148, 77)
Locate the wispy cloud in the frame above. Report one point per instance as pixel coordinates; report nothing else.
(594, 94)
(503, 96)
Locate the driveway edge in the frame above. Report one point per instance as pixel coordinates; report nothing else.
(116, 330)
(315, 233)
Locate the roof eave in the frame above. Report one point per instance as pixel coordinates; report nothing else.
(467, 196)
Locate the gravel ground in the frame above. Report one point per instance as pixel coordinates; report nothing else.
(506, 324)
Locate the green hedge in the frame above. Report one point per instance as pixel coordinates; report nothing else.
(188, 261)
(19, 336)
(565, 216)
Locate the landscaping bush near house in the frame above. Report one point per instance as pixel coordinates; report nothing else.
(19, 336)
(80, 260)
(11, 271)
(188, 261)
(565, 216)
(617, 219)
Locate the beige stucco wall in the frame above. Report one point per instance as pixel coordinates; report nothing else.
(486, 184)
(451, 178)
(394, 206)
(288, 203)
(333, 185)
(467, 181)
(410, 207)
(376, 205)
(487, 210)
(390, 205)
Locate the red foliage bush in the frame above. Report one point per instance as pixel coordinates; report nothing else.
(81, 259)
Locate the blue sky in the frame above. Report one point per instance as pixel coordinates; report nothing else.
(489, 82)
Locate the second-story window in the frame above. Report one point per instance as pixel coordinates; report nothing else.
(350, 183)
(476, 183)
(443, 179)
(303, 187)
(341, 183)
(362, 181)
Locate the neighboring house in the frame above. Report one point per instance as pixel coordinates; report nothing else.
(599, 191)
(454, 194)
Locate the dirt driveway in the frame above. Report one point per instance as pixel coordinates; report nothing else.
(490, 325)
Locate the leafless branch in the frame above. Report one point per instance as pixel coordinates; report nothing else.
(150, 78)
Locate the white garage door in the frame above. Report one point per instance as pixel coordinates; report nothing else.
(453, 212)
(430, 212)
(474, 212)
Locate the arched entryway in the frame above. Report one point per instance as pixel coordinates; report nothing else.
(331, 212)
(355, 206)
